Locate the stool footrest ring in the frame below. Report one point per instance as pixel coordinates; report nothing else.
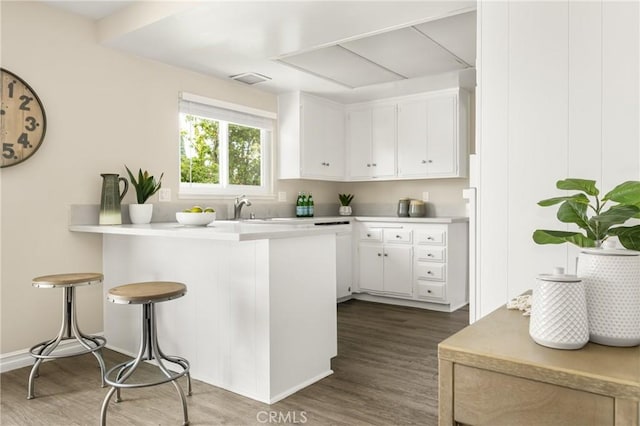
(174, 359)
(97, 343)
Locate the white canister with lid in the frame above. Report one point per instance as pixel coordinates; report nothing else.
(611, 279)
(559, 311)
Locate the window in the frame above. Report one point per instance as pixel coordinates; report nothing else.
(225, 149)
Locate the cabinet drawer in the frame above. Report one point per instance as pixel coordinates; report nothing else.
(430, 254)
(429, 290)
(371, 234)
(431, 236)
(430, 271)
(517, 401)
(397, 236)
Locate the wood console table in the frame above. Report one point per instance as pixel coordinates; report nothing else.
(493, 373)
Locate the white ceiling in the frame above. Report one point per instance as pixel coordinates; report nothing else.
(349, 51)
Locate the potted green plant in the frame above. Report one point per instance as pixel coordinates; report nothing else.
(587, 210)
(345, 200)
(146, 185)
(611, 277)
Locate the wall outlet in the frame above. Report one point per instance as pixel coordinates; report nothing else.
(282, 196)
(425, 196)
(164, 194)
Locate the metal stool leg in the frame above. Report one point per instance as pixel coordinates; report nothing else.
(68, 330)
(148, 345)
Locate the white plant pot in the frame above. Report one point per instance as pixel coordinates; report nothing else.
(345, 211)
(612, 284)
(559, 312)
(140, 213)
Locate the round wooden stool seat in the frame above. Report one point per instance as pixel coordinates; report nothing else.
(68, 280)
(146, 292)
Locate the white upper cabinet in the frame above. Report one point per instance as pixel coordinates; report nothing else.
(371, 142)
(412, 137)
(433, 136)
(311, 135)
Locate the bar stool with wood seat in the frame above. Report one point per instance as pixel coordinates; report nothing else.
(69, 329)
(146, 294)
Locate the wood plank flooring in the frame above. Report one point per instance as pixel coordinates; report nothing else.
(385, 374)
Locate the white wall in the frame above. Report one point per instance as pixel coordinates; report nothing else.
(558, 97)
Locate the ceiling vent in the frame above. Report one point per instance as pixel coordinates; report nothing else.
(250, 77)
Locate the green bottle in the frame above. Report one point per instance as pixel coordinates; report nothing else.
(299, 205)
(310, 206)
(305, 206)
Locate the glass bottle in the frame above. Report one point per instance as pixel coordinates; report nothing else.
(310, 206)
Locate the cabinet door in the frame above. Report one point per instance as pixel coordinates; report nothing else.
(397, 270)
(383, 141)
(370, 264)
(343, 265)
(359, 143)
(322, 139)
(313, 138)
(412, 138)
(333, 147)
(442, 137)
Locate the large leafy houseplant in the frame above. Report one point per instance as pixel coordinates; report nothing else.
(146, 184)
(586, 209)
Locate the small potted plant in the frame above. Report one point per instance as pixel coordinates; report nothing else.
(146, 185)
(345, 200)
(611, 276)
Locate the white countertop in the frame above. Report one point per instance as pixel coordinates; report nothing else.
(454, 219)
(258, 229)
(220, 230)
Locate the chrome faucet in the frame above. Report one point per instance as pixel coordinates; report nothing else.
(237, 206)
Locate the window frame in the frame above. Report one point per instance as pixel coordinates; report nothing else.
(189, 190)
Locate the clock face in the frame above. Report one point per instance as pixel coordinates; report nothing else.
(22, 120)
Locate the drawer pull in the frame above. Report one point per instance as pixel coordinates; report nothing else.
(429, 273)
(398, 236)
(368, 235)
(429, 254)
(386, 255)
(430, 238)
(379, 254)
(428, 291)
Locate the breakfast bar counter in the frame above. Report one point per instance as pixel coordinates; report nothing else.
(259, 316)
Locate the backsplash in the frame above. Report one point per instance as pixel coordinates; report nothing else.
(87, 214)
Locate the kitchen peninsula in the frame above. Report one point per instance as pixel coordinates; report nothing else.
(259, 316)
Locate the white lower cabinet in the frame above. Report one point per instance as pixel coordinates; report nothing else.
(424, 263)
(385, 268)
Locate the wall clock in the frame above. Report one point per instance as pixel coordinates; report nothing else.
(22, 120)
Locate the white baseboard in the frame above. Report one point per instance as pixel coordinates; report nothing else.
(22, 358)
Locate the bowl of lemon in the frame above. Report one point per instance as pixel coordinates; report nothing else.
(196, 216)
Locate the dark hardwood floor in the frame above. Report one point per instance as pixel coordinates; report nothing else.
(385, 374)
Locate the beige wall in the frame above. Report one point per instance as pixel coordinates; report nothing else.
(104, 109)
